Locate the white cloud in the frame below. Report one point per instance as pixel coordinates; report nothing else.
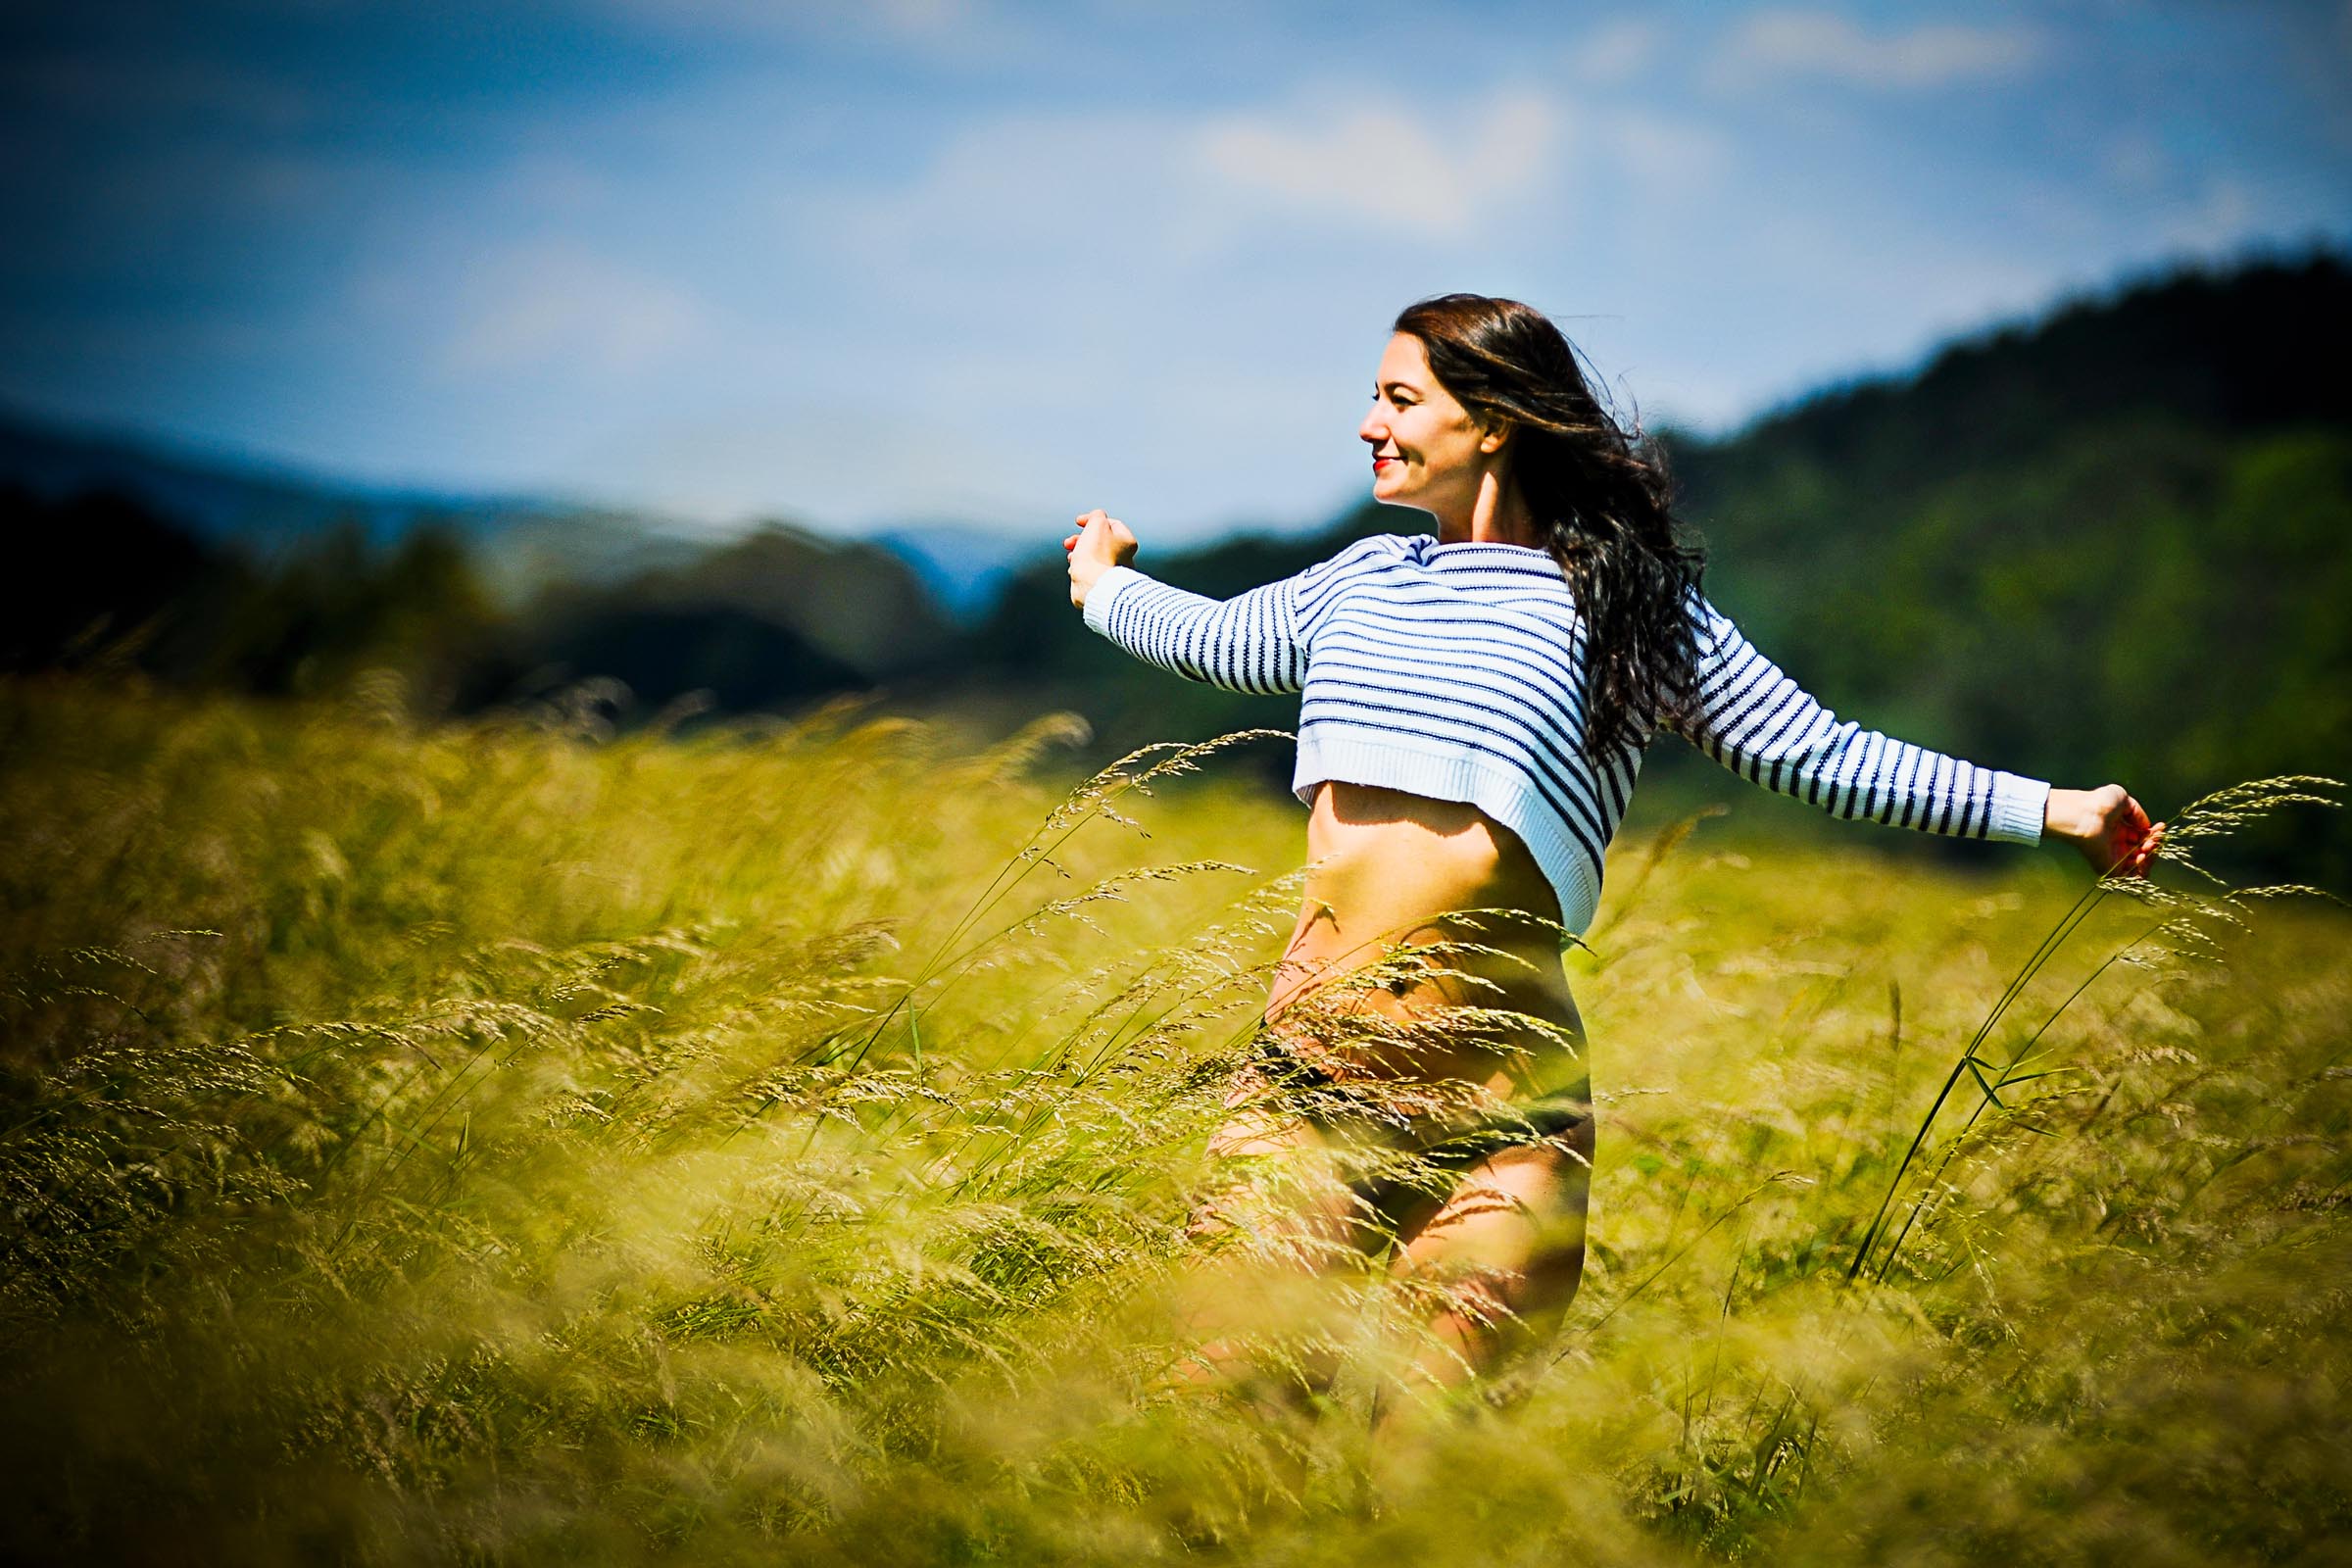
(1615, 52)
(1679, 157)
(1024, 199)
(561, 306)
(829, 461)
(557, 182)
(1020, 199)
(1824, 46)
(1387, 165)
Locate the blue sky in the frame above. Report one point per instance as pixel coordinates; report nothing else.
(860, 264)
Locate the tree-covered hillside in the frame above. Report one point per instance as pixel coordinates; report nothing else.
(2117, 544)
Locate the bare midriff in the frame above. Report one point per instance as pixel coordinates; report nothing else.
(1386, 869)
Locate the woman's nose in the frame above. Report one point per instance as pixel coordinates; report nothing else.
(1374, 429)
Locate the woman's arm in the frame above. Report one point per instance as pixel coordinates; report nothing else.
(1753, 719)
(1254, 642)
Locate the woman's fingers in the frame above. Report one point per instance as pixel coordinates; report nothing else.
(2132, 840)
(1104, 536)
(2108, 826)
(2124, 830)
(1120, 540)
(1091, 549)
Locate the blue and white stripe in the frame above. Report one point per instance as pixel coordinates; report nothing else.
(1456, 672)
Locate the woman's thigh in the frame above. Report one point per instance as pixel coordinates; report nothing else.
(1506, 1247)
(1277, 1217)
(1276, 1181)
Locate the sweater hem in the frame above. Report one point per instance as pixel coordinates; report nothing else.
(1328, 753)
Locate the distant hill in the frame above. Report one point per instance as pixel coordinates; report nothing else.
(2116, 542)
(201, 569)
(517, 542)
(213, 497)
(765, 621)
(522, 542)
(966, 567)
(2222, 350)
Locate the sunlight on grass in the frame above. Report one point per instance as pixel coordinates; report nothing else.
(510, 1142)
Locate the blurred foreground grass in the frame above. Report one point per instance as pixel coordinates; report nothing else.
(504, 1143)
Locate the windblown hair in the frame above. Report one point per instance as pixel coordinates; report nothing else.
(1600, 496)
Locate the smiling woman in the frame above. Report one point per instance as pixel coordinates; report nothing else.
(1476, 706)
(1423, 449)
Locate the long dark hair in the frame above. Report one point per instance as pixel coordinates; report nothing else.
(1599, 495)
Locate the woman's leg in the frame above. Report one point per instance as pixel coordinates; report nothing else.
(1508, 1242)
(1268, 1233)
(1504, 1252)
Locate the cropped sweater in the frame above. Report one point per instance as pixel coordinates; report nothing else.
(1456, 672)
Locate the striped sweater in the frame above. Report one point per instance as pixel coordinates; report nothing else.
(1456, 672)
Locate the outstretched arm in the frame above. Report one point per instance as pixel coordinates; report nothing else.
(1747, 714)
(1752, 718)
(1250, 643)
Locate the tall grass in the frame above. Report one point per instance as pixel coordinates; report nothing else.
(513, 1143)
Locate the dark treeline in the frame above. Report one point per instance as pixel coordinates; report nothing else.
(105, 584)
(769, 623)
(2113, 543)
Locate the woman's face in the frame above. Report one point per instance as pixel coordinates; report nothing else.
(1426, 450)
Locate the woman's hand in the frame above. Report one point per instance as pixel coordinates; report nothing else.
(1101, 543)
(2107, 825)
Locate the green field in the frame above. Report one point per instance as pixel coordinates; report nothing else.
(508, 1143)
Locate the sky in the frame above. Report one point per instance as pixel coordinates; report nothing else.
(869, 262)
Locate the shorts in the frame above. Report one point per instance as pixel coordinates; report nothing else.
(1405, 1158)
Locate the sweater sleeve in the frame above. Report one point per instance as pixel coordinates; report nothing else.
(1254, 642)
(1753, 719)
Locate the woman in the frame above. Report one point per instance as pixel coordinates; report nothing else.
(1475, 709)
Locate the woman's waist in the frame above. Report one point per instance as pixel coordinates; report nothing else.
(1461, 955)
(1458, 997)
(1389, 862)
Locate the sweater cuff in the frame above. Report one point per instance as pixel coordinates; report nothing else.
(1108, 587)
(2019, 807)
